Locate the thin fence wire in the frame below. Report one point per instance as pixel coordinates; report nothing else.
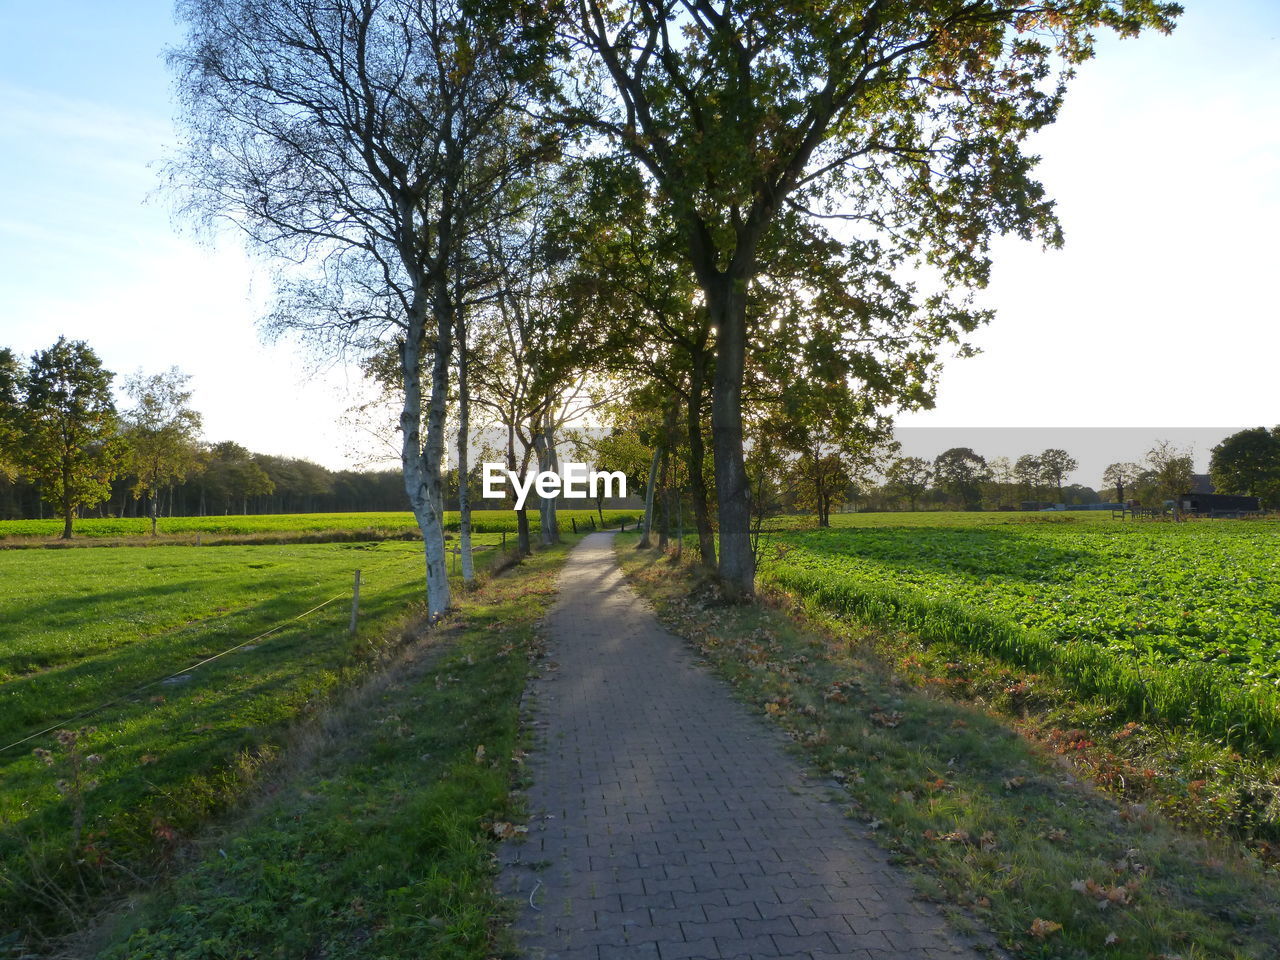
(128, 695)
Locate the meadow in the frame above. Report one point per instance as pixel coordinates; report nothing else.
(1172, 621)
(110, 644)
(381, 524)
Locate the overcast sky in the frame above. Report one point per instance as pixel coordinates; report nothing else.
(1160, 313)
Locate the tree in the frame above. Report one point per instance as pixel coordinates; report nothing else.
(366, 138)
(1248, 462)
(629, 282)
(69, 425)
(160, 432)
(533, 363)
(233, 475)
(1002, 480)
(961, 473)
(10, 412)
(909, 477)
(1055, 464)
(914, 115)
(1029, 472)
(616, 449)
(1172, 471)
(1122, 475)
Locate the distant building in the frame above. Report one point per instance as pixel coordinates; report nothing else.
(1201, 483)
(1218, 504)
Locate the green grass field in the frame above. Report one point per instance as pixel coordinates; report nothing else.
(80, 628)
(1173, 621)
(482, 522)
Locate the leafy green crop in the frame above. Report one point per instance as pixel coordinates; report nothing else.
(1175, 621)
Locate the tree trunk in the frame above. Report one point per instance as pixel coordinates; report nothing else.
(68, 507)
(697, 477)
(664, 503)
(726, 300)
(464, 418)
(645, 543)
(679, 525)
(422, 461)
(523, 546)
(548, 461)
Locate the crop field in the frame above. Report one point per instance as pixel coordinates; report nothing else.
(482, 521)
(80, 629)
(1179, 622)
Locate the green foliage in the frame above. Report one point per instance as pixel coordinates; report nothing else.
(1172, 622)
(10, 412)
(69, 426)
(908, 478)
(160, 431)
(1248, 463)
(961, 472)
(1169, 472)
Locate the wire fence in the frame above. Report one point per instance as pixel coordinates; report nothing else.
(130, 694)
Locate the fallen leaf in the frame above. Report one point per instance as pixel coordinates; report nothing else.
(1040, 929)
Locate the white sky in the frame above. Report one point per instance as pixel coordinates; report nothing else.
(1158, 313)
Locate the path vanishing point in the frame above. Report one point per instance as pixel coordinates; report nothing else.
(670, 822)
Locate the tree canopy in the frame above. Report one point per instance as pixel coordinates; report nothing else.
(68, 441)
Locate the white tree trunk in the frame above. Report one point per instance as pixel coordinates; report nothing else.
(551, 463)
(422, 460)
(540, 449)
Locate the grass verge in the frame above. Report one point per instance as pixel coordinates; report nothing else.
(999, 827)
(374, 836)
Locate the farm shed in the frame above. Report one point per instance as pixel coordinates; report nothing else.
(1218, 504)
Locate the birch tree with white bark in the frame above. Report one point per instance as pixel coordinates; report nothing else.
(364, 140)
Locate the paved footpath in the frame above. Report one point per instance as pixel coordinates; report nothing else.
(669, 822)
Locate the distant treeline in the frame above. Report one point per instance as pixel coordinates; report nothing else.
(67, 451)
(228, 479)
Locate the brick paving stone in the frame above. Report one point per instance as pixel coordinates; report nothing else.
(670, 822)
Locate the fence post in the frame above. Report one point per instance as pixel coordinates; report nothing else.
(504, 540)
(355, 604)
(574, 521)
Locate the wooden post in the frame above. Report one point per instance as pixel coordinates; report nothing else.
(574, 521)
(355, 604)
(504, 540)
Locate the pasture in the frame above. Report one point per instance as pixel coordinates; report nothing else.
(382, 525)
(1175, 621)
(119, 631)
